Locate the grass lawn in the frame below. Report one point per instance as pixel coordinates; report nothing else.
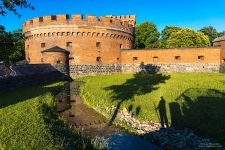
(28, 121)
(193, 100)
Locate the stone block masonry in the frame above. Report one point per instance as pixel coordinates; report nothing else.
(167, 68)
(100, 69)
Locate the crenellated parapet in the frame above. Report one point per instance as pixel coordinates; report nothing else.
(90, 39)
(125, 24)
(130, 19)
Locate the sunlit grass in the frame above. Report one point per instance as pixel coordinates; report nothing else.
(198, 96)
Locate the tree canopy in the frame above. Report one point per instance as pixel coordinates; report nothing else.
(210, 32)
(11, 45)
(221, 33)
(147, 35)
(13, 5)
(187, 38)
(167, 32)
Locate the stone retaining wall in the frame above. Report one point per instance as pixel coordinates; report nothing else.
(184, 67)
(86, 70)
(27, 75)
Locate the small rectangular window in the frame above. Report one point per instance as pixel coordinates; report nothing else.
(111, 21)
(135, 58)
(98, 44)
(42, 45)
(200, 57)
(53, 17)
(177, 58)
(28, 46)
(40, 19)
(121, 45)
(155, 58)
(69, 44)
(31, 22)
(98, 60)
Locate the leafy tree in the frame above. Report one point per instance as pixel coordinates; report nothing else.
(210, 32)
(187, 38)
(11, 45)
(221, 34)
(13, 5)
(146, 35)
(166, 33)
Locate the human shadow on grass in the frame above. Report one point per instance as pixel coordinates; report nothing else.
(23, 94)
(203, 113)
(162, 112)
(140, 84)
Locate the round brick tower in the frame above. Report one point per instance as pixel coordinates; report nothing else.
(89, 41)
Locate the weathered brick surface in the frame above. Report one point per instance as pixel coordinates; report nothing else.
(116, 35)
(84, 34)
(187, 55)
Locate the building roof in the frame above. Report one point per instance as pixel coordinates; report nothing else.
(56, 49)
(222, 38)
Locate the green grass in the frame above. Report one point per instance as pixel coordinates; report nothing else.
(28, 121)
(192, 100)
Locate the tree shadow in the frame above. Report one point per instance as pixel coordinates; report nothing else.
(23, 94)
(201, 110)
(140, 84)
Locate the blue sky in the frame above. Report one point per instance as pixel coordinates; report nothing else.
(185, 13)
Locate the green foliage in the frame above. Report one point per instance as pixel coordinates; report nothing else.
(193, 92)
(221, 34)
(187, 38)
(13, 5)
(29, 121)
(11, 45)
(167, 32)
(210, 32)
(146, 35)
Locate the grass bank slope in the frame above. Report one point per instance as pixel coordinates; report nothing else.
(28, 121)
(192, 100)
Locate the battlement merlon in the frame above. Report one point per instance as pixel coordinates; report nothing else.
(130, 18)
(127, 22)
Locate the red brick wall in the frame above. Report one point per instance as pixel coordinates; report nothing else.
(187, 55)
(83, 34)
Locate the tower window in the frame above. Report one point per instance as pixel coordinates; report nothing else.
(69, 44)
(28, 46)
(200, 57)
(98, 44)
(111, 21)
(121, 45)
(42, 45)
(98, 59)
(53, 18)
(156, 58)
(40, 19)
(177, 58)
